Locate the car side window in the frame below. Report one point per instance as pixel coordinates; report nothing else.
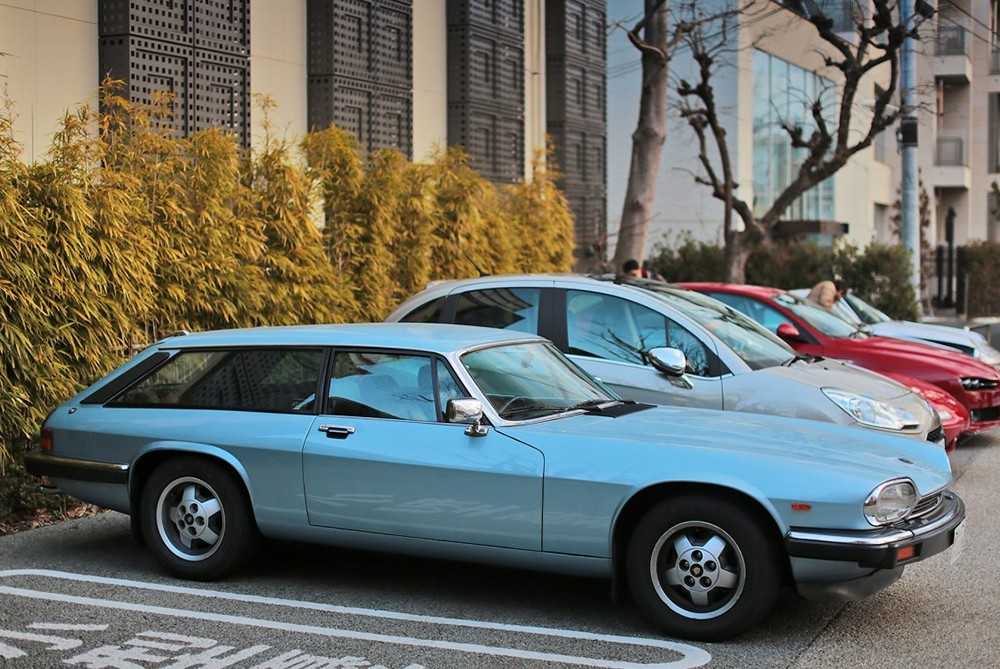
(448, 388)
(282, 380)
(382, 385)
(505, 308)
(612, 328)
(429, 312)
(698, 359)
(767, 316)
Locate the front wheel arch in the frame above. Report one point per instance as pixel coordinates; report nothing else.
(643, 500)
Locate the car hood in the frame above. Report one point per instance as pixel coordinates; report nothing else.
(930, 331)
(692, 433)
(828, 373)
(916, 355)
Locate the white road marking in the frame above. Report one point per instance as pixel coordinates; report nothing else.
(67, 627)
(691, 656)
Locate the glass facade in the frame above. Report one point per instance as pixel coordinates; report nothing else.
(783, 94)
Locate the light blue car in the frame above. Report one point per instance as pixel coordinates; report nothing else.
(488, 445)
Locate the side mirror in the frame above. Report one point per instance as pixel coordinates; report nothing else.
(469, 411)
(670, 361)
(789, 333)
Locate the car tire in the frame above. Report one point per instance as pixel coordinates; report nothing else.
(703, 567)
(196, 519)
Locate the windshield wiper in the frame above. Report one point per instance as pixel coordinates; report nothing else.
(798, 358)
(593, 404)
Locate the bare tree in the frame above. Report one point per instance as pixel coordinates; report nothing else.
(834, 134)
(650, 132)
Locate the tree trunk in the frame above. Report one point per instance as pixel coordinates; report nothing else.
(647, 140)
(735, 257)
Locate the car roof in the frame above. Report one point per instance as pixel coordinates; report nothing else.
(764, 292)
(494, 278)
(430, 337)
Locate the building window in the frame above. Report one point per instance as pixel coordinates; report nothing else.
(484, 66)
(783, 94)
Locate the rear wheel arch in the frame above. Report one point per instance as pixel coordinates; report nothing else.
(645, 499)
(148, 461)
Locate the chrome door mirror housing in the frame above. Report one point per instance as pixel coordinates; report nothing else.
(468, 411)
(670, 361)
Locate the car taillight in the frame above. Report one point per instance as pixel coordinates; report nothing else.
(46, 441)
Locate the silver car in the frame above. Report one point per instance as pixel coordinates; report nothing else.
(858, 312)
(663, 345)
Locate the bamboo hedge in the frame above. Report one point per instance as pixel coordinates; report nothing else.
(126, 231)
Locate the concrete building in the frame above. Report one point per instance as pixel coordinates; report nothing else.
(774, 70)
(959, 79)
(494, 76)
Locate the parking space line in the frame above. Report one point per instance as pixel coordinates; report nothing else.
(691, 656)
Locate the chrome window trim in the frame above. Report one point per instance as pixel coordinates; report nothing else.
(648, 368)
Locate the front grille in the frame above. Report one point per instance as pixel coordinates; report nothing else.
(926, 505)
(988, 414)
(936, 435)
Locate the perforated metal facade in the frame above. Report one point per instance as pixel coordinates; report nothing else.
(196, 50)
(576, 109)
(360, 62)
(486, 85)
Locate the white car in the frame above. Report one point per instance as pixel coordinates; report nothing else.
(855, 310)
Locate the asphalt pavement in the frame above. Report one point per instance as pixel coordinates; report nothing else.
(82, 594)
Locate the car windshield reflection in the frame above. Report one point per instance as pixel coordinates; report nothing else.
(532, 380)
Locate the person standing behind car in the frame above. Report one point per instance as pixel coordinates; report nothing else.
(631, 268)
(827, 293)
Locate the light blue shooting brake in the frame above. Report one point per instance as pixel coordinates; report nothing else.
(489, 445)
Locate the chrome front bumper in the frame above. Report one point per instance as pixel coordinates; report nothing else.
(879, 548)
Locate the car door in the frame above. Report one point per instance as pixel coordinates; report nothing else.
(380, 458)
(608, 336)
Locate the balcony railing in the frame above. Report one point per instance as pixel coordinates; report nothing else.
(995, 66)
(950, 152)
(951, 41)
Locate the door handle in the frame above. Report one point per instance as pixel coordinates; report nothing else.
(337, 431)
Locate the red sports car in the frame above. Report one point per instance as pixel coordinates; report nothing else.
(812, 330)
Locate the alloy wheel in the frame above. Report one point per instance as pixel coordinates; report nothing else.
(190, 519)
(697, 570)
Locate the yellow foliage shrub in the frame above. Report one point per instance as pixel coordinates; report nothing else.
(125, 232)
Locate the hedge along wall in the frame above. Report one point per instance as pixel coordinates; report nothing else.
(982, 267)
(125, 232)
(878, 273)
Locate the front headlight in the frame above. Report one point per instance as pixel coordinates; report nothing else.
(890, 502)
(871, 412)
(976, 383)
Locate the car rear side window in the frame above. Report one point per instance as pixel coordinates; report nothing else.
(429, 312)
(279, 380)
(505, 308)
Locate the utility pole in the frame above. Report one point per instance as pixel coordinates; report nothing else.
(909, 198)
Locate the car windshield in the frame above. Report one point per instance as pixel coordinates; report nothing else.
(531, 380)
(867, 312)
(757, 347)
(818, 317)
